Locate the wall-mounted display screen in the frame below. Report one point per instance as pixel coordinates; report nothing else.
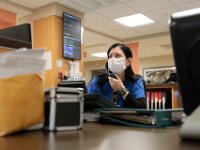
(71, 37)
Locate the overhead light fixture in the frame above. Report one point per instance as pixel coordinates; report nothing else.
(135, 20)
(100, 54)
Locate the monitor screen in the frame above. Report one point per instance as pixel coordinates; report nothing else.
(71, 37)
(16, 36)
(185, 36)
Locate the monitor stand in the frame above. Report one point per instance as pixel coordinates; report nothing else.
(191, 127)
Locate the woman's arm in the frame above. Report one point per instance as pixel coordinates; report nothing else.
(132, 102)
(135, 98)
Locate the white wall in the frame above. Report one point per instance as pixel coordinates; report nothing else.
(159, 61)
(92, 65)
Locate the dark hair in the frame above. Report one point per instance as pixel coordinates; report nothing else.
(128, 72)
(123, 47)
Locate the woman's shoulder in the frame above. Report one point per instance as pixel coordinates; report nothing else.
(135, 78)
(95, 79)
(95, 82)
(98, 77)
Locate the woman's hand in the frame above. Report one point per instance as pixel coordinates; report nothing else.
(116, 84)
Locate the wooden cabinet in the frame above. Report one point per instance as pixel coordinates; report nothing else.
(173, 96)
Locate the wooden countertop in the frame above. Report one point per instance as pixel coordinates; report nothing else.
(95, 136)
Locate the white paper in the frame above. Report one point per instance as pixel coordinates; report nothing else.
(48, 58)
(59, 63)
(21, 62)
(74, 68)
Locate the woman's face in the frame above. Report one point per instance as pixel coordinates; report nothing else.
(118, 53)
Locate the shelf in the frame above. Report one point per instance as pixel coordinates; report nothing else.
(173, 96)
(162, 85)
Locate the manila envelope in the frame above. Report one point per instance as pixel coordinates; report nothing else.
(21, 103)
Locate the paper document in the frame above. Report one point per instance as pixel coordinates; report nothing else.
(16, 63)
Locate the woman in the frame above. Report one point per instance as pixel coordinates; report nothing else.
(119, 84)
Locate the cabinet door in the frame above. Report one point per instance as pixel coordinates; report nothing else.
(176, 98)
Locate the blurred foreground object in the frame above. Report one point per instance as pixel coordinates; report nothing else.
(21, 85)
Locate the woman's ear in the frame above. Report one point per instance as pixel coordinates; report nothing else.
(128, 61)
(106, 66)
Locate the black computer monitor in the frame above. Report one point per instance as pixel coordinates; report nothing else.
(185, 36)
(16, 36)
(71, 37)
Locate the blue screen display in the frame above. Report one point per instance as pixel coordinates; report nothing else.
(71, 37)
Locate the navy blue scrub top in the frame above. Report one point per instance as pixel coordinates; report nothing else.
(136, 89)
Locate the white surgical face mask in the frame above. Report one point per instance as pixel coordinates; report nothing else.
(116, 65)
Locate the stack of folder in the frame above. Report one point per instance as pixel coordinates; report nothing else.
(143, 117)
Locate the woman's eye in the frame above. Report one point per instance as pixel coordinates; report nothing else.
(118, 56)
(115, 56)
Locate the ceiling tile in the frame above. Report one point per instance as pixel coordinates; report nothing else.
(125, 33)
(91, 18)
(33, 3)
(151, 29)
(90, 4)
(161, 14)
(73, 5)
(190, 5)
(107, 26)
(97, 38)
(178, 2)
(148, 5)
(164, 23)
(116, 11)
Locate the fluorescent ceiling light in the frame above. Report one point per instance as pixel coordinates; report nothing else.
(134, 20)
(100, 54)
(187, 12)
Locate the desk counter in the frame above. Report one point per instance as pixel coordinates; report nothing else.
(96, 136)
